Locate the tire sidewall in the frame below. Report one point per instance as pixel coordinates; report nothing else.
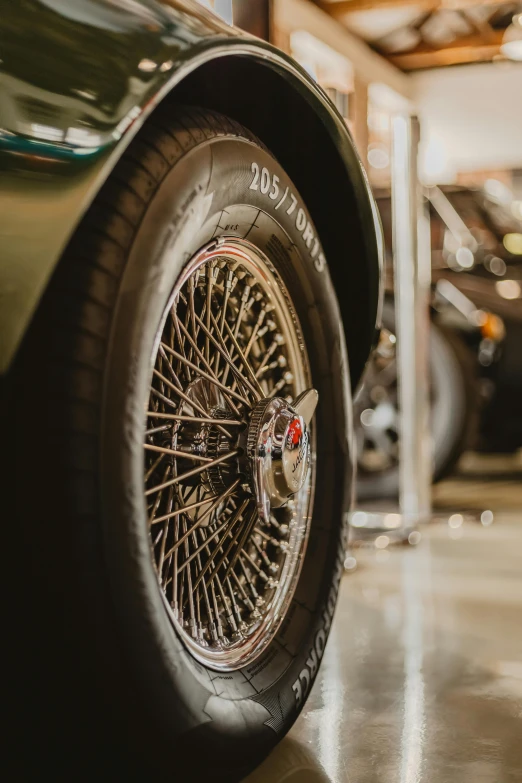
(451, 405)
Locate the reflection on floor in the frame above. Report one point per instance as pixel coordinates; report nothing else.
(422, 677)
(483, 481)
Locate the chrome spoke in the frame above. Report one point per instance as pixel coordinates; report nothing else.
(195, 419)
(193, 472)
(155, 430)
(181, 394)
(204, 516)
(221, 347)
(153, 467)
(226, 523)
(245, 533)
(220, 353)
(228, 392)
(246, 364)
(190, 507)
(183, 454)
(181, 341)
(235, 518)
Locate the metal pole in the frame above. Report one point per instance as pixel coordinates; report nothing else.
(412, 275)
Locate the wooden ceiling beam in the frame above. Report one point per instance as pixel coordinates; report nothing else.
(291, 15)
(340, 8)
(472, 49)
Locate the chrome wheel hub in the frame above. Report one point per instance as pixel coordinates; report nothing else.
(229, 454)
(278, 447)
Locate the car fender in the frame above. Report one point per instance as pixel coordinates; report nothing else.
(78, 78)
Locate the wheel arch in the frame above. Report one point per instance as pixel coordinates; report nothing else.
(310, 140)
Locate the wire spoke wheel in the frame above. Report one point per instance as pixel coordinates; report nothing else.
(227, 530)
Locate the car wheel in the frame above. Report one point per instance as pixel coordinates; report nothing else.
(188, 538)
(453, 403)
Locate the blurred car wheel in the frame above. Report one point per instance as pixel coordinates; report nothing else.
(453, 407)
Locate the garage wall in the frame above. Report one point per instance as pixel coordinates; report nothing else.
(462, 110)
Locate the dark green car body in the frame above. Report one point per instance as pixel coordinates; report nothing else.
(78, 78)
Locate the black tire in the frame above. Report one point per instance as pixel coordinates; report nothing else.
(110, 681)
(453, 409)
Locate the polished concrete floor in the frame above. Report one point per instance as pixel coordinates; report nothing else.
(421, 681)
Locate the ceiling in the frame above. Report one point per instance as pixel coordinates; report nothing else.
(415, 34)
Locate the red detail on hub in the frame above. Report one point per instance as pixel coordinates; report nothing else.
(295, 432)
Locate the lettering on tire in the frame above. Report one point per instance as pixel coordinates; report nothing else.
(304, 681)
(268, 185)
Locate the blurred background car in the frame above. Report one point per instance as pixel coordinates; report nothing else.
(453, 398)
(486, 268)
(476, 330)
